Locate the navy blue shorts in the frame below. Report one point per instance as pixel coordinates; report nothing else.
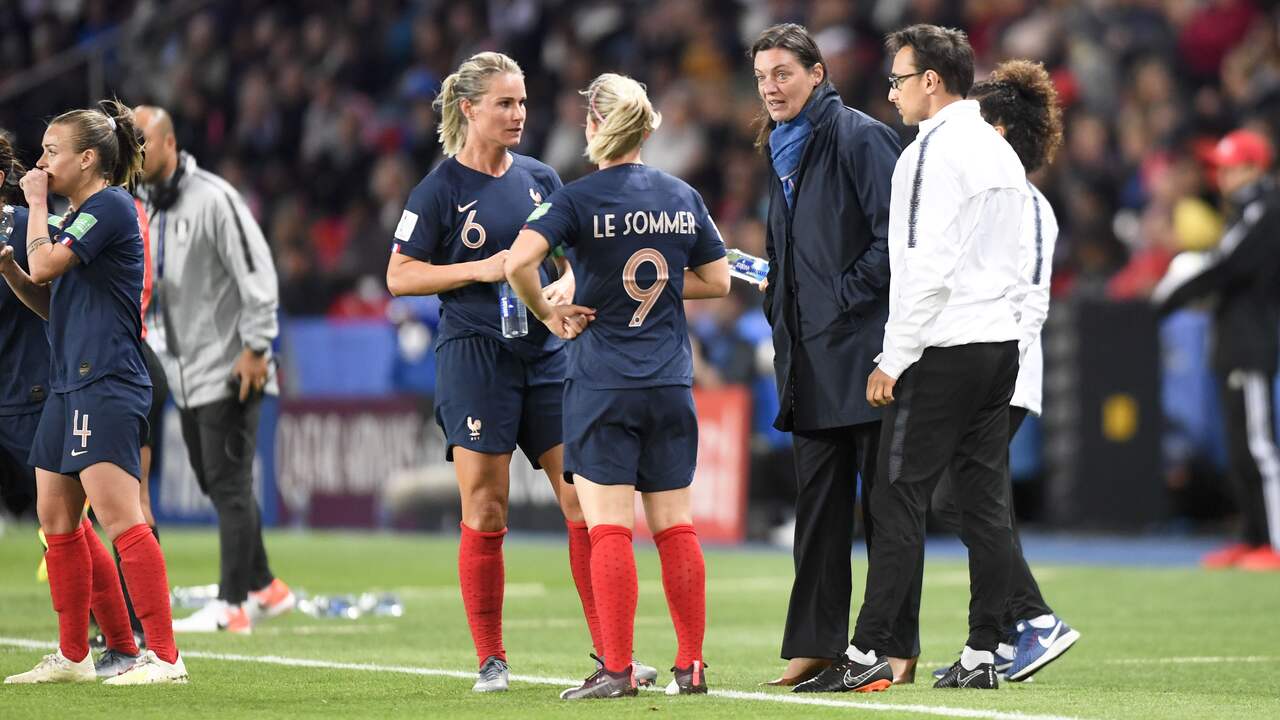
(104, 421)
(489, 400)
(17, 432)
(646, 437)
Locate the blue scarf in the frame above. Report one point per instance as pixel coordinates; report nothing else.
(786, 146)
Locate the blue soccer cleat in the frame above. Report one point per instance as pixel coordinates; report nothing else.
(1037, 647)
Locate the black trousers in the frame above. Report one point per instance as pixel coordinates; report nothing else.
(827, 464)
(221, 438)
(1025, 600)
(1253, 461)
(951, 410)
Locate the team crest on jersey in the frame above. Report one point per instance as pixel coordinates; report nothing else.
(537, 196)
(539, 212)
(473, 424)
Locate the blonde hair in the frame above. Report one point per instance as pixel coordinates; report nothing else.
(469, 82)
(110, 130)
(623, 115)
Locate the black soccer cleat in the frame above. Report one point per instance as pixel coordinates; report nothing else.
(98, 643)
(847, 675)
(604, 684)
(689, 681)
(113, 662)
(983, 677)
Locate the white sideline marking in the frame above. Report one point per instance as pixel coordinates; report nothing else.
(1202, 659)
(936, 710)
(353, 629)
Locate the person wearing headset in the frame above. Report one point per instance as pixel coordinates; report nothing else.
(211, 263)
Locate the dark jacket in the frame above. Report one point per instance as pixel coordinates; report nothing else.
(828, 293)
(1243, 276)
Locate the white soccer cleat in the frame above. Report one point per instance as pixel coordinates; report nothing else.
(493, 677)
(151, 670)
(205, 620)
(56, 668)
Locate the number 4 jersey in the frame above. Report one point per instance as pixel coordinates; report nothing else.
(629, 232)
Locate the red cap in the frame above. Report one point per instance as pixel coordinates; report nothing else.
(1242, 147)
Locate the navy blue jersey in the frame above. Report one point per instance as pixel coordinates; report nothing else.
(24, 345)
(458, 215)
(630, 231)
(95, 315)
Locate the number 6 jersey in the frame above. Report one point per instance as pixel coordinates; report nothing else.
(629, 232)
(458, 215)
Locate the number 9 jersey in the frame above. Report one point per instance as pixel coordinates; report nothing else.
(630, 231)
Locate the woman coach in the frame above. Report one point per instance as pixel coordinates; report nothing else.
(827, 299)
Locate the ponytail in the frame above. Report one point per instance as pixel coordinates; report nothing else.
(111, 131)
(622, 113)
(13, 169)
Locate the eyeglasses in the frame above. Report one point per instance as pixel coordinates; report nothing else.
(895, 81)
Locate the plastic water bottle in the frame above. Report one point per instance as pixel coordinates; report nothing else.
(747, 267)
(515, 319)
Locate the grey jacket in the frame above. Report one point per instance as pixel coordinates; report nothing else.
(215, 285)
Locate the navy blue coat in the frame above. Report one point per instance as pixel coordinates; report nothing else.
(828, 294)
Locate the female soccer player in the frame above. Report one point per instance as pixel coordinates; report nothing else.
(87, 280)
(1019, 100)
(492, 393)
(629, 420)
(25, 346)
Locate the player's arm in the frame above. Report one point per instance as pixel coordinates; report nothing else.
(47, 260)
(410, 276)
(708, 273)
(530, 248)
(418, 237)
(560, 291)
(709, 280)
(526, 254)
(32, 295)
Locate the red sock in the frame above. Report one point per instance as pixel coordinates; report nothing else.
(108, 597)
(580, 566)
(144, 573)
(70, 586)
(684, 579)
(613, 580)
(482, 578)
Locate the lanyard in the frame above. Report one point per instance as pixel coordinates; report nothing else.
(160, 247)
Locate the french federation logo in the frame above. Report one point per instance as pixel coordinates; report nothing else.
(537, 196)
(474, 426)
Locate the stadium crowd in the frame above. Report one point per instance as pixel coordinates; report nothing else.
(319, 112)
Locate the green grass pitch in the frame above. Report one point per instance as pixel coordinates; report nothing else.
(1157, 643)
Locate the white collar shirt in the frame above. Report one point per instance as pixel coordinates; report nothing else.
(955, 239)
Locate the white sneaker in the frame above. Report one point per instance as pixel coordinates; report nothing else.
(56, 668)
(493, 676)
(204, 620)
(151, 670)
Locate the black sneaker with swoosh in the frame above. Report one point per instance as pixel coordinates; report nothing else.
(847, 675)
(982, 677)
